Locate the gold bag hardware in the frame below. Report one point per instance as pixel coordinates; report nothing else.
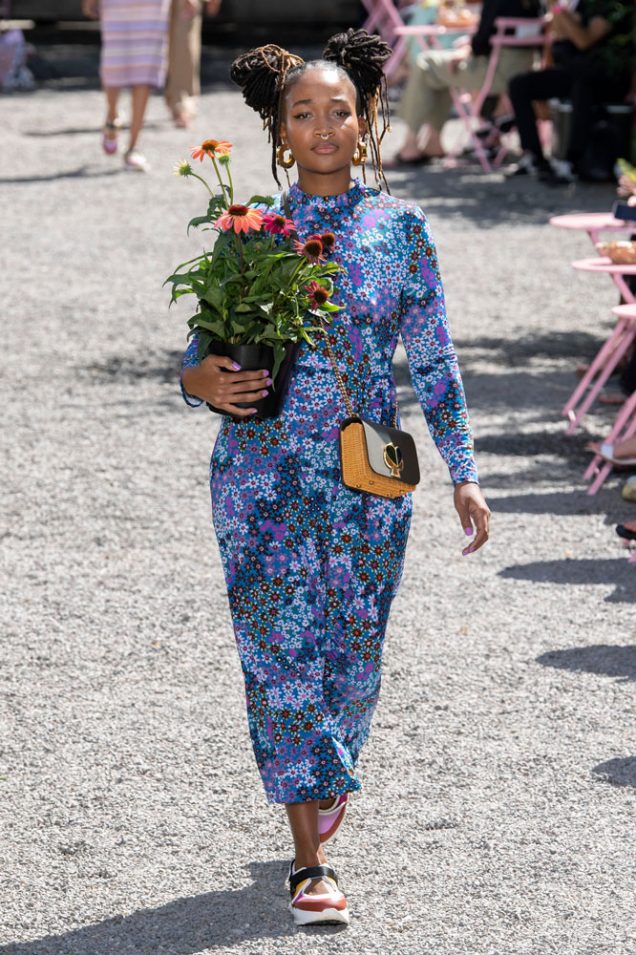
(377, 459)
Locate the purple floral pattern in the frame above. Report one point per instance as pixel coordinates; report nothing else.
(311, 567)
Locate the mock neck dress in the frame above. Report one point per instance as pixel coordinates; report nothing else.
(312, 567)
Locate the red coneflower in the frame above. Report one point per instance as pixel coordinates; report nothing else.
(328, 240)
(277, 224)
(211, 147)
(240, 218)
(318, 295)
(312, 249)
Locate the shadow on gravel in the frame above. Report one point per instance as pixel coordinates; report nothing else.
(603, 659)
(488, 200)
(554, 502)
(216, 920)
(615, 572)
(82, 172)
(619, 772)
(162, 366)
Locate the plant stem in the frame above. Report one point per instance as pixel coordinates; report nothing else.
(201, 179)
(221, 183)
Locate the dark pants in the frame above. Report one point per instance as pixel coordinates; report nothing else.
(585, 88)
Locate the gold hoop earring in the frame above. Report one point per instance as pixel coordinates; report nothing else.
(360, 155)
(280, 157)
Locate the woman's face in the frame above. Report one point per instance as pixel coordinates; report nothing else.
(321, 126)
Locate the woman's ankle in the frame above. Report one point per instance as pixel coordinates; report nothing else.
(305, 860)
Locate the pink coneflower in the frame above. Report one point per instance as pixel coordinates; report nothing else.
(211, 147)
(311, 249)
(240, 218)
(278, 224)
(328, 240)
(318, 295)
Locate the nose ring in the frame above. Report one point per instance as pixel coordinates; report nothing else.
(324, 135)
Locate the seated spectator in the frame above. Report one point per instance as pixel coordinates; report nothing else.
(593, 61)
(427, 100)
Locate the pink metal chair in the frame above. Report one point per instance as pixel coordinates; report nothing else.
(468, 105)
(385, 18)
(624, 428)
(604, 363)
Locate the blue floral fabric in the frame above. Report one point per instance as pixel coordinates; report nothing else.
(311, 567)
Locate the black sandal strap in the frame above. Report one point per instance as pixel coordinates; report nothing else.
(311, 872)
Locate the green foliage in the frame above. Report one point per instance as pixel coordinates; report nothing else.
(251, 287)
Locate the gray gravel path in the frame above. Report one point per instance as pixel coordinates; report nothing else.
(497, 816)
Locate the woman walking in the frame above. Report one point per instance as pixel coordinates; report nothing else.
(311, 566)
(134, 45)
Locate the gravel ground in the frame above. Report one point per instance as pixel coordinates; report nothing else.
(499, 782)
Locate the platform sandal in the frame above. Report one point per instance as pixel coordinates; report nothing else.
(330, 819)
(109, 138)
(328, 907)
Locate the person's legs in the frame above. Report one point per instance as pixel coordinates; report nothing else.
(426, 101)
(139, 96)
(109, 136)
(523, 90)
(183, 84)
(303, 822)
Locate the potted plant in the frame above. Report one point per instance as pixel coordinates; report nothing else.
(260, 292)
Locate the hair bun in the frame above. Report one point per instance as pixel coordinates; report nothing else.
(362, 55)
(260, 73)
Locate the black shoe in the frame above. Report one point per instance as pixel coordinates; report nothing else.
(625, 532)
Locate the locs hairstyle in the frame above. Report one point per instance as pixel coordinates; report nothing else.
(267, 73)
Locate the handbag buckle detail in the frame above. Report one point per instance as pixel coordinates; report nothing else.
(393, 459)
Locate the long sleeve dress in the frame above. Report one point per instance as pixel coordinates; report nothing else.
(312, 567)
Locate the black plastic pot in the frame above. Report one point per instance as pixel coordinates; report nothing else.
(253, 358)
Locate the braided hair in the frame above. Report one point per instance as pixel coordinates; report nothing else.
(267, 73)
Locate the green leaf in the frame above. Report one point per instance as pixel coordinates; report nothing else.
(260, 200)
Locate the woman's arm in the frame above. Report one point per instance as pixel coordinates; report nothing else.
(435, 373)
(568, 26)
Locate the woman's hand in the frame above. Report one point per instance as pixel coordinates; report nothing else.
(218, 381)
(474, 514)
(90, 9)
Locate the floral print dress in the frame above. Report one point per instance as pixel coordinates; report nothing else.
(312, 567)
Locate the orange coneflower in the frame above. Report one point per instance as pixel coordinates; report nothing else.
(211, 147)
(240, 218)
(312, 249)
(317, 294)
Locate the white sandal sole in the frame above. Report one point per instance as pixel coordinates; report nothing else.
(304, 917)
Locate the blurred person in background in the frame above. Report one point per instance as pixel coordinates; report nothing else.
(184, 57)
(427, 100)
(593, 53)
(134, 46)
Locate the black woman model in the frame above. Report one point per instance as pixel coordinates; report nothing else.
(311, 565)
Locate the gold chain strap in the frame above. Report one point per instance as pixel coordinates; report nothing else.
(340, 379)
(332, 358)
(337, 373)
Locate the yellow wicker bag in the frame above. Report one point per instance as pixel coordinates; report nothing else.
(373, 457)
(377, 459)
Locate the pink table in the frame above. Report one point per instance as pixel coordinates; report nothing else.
(591, 222)
(615, 272)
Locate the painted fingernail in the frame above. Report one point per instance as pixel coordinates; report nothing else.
(468, 531)
(269, 381)
(265, 372)
(235, 366)
(264, 393)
